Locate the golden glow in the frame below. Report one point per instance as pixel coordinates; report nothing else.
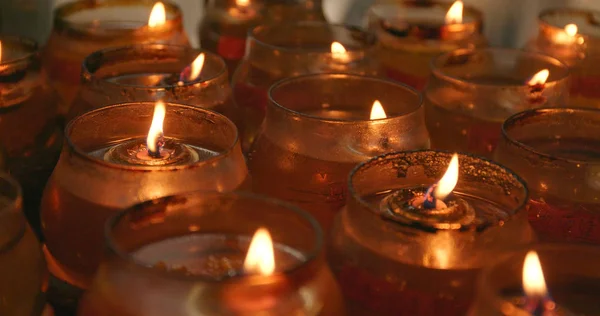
(158, 16)
(455, 13)
(449, 180)
(260, 258)
(0, 51)
(339, 52)
(377, 111)
(197, 66)
(156, 128)
(242, 3)
(571, 29)
(539, 78)
(533, 276)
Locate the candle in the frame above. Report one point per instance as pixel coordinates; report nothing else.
(30, 136)
(423, 257)
(560, 211)
(472, 92)
(230, 254)
(317, 128)
(412, 34)
(22, 268)
(573, 36)
(126, 162)
(82, 28)
(224, 28)
(155, 71)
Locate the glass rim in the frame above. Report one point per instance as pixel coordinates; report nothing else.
(485, 287)
(371, 40)
(101, 55)
(514, 119)
(343, 76)
(62, 12)
(353, 192)
(223, 154)
(565, 10)
(437, 71)
(310, 257)
(30, 46)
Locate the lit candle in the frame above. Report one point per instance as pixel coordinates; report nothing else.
(435, 194)
(568, 36)
(192, 72)
(243, 10)
(158, 15)
(339, 53)
(455, 13)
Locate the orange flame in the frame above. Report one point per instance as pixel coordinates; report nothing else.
(0, 51)
(449, 180)
(534, 283)
(571, 29)
(242, 3)
(377, 111)
(455, 13)
(197, 66)
(156, 128)
(338, 51)
(260, 258)
(539, 78)
(158, 16)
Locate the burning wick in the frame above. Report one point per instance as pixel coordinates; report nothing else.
(155, 140)
(537, 83)
(455, 13)
(158, 15)
(192, 71)
(339, 52)
(534, 286)
(377, 111)
(432, 199)
(260, 258)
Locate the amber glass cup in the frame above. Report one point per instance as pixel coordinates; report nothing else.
(30, 136)
(278, 51)
(573, 36)
(99, 173)
(471, 92)
(557, 152)
(184, 255)
(411, 33)
(392, 257)
(153, 72)
(571, 277)
(23, 273)
(83, 27)
(317, 128)
(226, 23)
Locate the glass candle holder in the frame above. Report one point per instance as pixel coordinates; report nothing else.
(393, 257)
(30, 135)
(471, 92)
(556, 152)
(573, 36)
(83, 27)
(412, 33)
(185, 255)
(226, 23)
(105, 166)
(317, 128)
(23, 273)
(571, 282)
(279, 51)
(117, 75)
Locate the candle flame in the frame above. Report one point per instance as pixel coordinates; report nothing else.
(242, 3)
(449, 180)
(377, 111)
(338, 51)
(534, 284)
(455, 13)
(539, 78)
(158, 16)
(260, 258)
(197, 66)
(571, 29)
(156, 128)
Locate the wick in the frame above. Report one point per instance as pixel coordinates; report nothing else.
(429, 201)
(160, 142)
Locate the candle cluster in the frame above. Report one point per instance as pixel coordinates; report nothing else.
(298, 168)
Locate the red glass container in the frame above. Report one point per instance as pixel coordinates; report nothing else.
(412, 33)
(184, 255)
(225, 25)
(123, 74)
(556, 151)
(393, 257)
(105, 166)
(573, 36)
(83, 27)
(471, 92)
(317, 128)
(279, 51)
